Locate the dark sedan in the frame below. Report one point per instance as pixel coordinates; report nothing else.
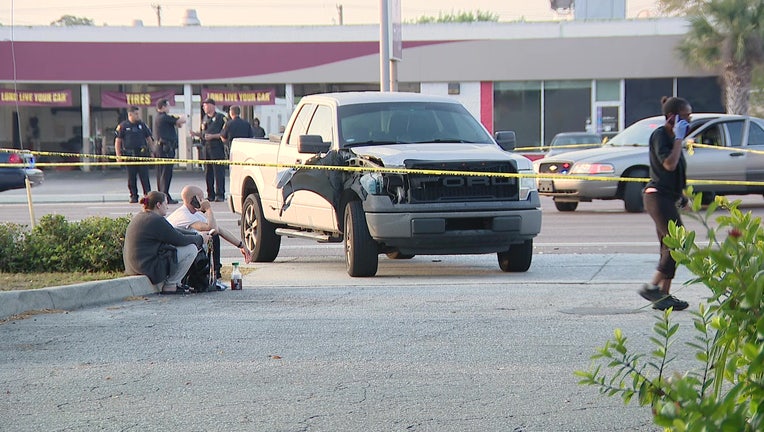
(13, 177)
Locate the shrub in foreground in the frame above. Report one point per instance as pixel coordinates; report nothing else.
(726, 390)
(55, 244)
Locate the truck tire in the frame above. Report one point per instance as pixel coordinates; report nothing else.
(258, 234)
(361, 252)
(632, 192)
(397, 255)
(518, 258)
(566, 206)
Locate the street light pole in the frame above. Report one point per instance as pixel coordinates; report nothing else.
(384, 45)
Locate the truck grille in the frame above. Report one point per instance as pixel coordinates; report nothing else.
(444, 188)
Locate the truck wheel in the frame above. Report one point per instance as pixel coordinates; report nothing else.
(258, 234)
(399, 256)
(361, 254)
(566, 206)
(518, 258)
(632, 193)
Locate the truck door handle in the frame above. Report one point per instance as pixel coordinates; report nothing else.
(737, 154)
(298, 161)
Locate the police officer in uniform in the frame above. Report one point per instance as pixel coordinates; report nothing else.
(134, 139)
(212, 125)
(166, 138)
(236, 127)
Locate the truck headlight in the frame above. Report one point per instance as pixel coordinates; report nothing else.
(527, 184)
(372, 183)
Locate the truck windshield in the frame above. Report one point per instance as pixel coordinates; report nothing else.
(408, 122)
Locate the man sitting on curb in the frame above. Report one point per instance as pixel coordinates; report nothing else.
(196, 214)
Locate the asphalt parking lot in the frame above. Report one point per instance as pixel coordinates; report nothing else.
(435, 343)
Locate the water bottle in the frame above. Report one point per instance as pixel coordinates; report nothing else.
(235, 277)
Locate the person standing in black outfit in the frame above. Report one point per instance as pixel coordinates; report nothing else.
(212, 125)
(166, 130)
(236, 127)
(664, 196)
(134, 139)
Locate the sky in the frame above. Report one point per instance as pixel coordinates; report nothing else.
(274, 12)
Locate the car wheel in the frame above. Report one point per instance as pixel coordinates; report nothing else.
(258, 234)
(518, 258)
(632, 192)
(400, 256)
(566, 206)
(361, 253)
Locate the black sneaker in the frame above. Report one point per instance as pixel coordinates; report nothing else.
(172, 201)
(670, 302)
(133, 200)
(651, 293)
(220, 199)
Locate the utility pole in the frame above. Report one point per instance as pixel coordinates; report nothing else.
(339, 13)
(158, 8)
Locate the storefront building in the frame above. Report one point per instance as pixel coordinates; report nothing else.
(535, 78)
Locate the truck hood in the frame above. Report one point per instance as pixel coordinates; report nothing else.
(394, 155)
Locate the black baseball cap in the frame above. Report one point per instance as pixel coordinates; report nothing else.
(209, 101)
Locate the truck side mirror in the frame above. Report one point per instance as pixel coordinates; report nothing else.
(312, 144)
(506, 139)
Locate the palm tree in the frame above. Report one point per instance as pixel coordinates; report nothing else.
(724, 35)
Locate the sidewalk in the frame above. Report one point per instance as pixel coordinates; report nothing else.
(109, 185)
(592, 272)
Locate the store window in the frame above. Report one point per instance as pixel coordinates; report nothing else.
(704, 94)
(643, 97)
(608, 91)
(567, 106)
(517, 107)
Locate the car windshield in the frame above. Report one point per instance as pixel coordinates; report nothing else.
(637, 134)
(408, 122)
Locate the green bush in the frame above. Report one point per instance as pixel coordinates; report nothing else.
(93, 244)
(726, 391)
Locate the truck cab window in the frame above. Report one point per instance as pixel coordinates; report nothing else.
(300, 126)
(321, 124)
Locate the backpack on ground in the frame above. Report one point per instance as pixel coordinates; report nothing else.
(200, 275)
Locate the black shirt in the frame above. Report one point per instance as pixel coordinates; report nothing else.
(213, 125)
(133, 135)
(236, 128)
(164, 126)
(667, 182)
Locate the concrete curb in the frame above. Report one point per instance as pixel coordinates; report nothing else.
(76, 296)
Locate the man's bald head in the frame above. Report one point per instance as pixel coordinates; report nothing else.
(189, 192)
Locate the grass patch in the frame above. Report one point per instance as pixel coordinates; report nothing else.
(24, 281)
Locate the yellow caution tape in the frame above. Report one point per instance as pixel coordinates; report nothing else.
(137, 160)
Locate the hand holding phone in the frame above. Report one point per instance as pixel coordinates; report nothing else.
(681, 128)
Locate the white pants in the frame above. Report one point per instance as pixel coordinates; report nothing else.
(186, 255)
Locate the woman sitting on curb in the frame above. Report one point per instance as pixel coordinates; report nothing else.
(155, 249)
